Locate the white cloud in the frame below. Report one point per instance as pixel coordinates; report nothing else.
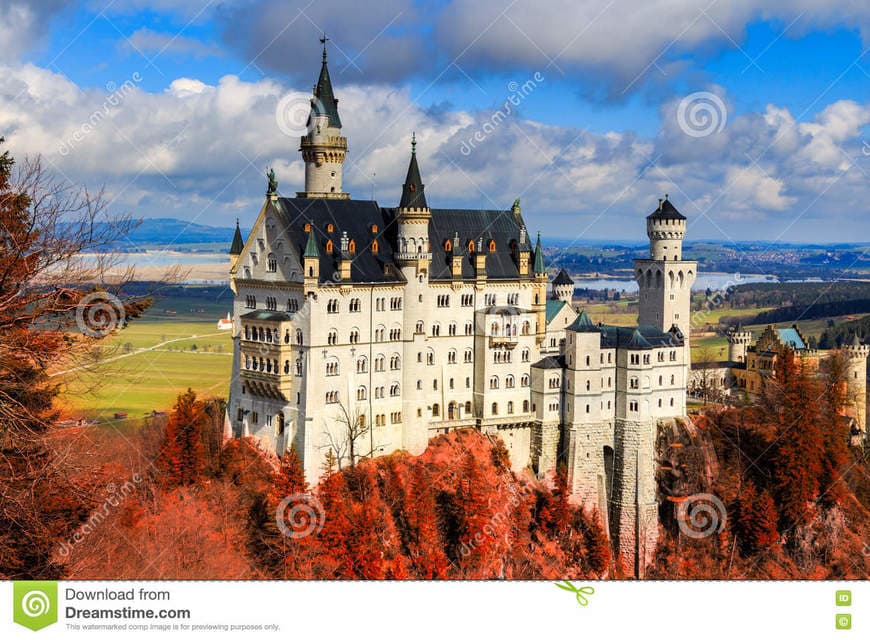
(150, 42)
(200, 150)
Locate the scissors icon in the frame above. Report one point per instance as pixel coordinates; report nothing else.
(579, 592)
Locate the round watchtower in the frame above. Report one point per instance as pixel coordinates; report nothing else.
(563, 287)
(738, 342)
(856, 379)
(666, 228)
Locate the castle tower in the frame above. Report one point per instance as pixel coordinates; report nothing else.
(738, 342)
(563, 287)
(414, 258)
(323, 147)
(856, 380)
(665, 279)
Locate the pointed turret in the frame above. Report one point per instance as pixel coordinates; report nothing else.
(325, 102)
(238, 244)
(323, 147)
(311, 263)
(539, 267)
(311, 250)
(413, 196)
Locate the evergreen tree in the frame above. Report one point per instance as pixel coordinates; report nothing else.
(181, 455)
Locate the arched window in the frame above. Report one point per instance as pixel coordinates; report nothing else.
(361, 393)
(448, 246)
(330, 228)
(495, 408)
(351, 246)
(298, 336)
(509, 384)
(436, 410)
(493, 382)
(510, 407)
(329, 245)
(375, 246)
(307, 227)
(491, 246)
(524, 381)
(471, 246)
(525, 406)
(272, 263)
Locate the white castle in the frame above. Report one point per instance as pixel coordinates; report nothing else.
(361, 330)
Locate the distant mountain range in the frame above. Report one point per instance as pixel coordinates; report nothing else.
(171, 231)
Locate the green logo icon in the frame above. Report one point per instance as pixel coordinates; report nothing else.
(580, 593)
(34, 604)
(844, 598)
(844, 621)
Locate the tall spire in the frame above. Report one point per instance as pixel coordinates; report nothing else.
(539, 257)
(238, 243)
(413, 196)
(325, 102)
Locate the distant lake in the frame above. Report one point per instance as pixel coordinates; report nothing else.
(168, 258)
(715, 281)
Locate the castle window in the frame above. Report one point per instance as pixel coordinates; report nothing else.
(451, 356)
(250, 302)
(419, 327)
(633, 383)
(448, 246)
(510, 407)
(435, 384)
(588, 385)
(395, 363)
(673, 379)
(509, 382)
(524, 381)
(331, 397)
(588, 361)
(332, 337)
(332, 368)
(450, 384)
(467, 299)
(646, 358)
(491, 246)
(379, 363)
(286, 366)
(495, 408)
(588, 408)
(525, 406)
(493, 382)
(436, 329)
(468, 355)
(330, 228)
(525, 355)
(355, 305)
(660, 403)
(271, 304)
(292, 305)
(527, 327)
(513, 299)
(298, 370)
(375, 246)
(430, 357)
(436, 410)
(298, 336)
(272, 263)
(672, 402)
(351, 246)
(247, 333)
(443, 301)
(394, 389)
(354, 336)
(361, 393)
(307, 227)
(419, 385)
(451, 329)
(329, 245)
(362, 365)
(332, 306)
(468, 328)
(632, 406)
(471, 246)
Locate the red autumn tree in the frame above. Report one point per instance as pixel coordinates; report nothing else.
(182, 452)
(792, 400)
(835, 431)
(755, 524)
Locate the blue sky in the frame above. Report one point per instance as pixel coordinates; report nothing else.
(590, 147)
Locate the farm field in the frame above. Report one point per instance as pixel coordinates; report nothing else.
(145, 367)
